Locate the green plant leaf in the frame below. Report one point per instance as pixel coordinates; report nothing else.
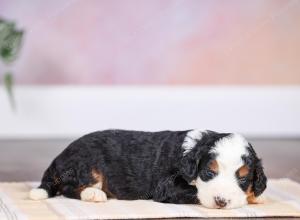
(5, 28)
(8, 83)
(10, 41)
(11, 46)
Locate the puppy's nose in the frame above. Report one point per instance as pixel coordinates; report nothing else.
(220, 202)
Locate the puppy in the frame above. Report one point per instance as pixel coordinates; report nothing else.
(217, 170)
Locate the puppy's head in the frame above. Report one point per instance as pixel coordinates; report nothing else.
(225, 170)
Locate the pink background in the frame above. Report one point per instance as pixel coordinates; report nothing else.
(157, 41)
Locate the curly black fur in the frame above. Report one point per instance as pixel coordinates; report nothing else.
(135, 164)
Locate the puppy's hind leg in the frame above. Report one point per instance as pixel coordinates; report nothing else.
(94, 193)
(90, 193)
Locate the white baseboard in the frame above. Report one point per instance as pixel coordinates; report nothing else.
(71, 111)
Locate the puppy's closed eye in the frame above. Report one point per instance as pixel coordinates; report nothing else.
(210, 171)
(242, 176)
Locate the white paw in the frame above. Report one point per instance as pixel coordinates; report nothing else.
(91, 194)
(38, 194)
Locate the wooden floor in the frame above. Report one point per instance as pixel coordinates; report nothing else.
(27, 159)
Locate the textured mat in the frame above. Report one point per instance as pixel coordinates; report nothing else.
(282, 200)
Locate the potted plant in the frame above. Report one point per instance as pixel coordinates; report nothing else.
(10, 44)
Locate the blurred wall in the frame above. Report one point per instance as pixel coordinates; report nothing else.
(242, 58)
(71, 111)
(157, 42)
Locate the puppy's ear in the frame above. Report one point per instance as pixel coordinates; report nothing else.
(259, 183)
(190, 161)
(259, 179)
(189, 166)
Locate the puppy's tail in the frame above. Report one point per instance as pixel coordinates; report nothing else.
(48, 187)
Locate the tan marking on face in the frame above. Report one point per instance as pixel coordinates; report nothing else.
(213, 165)
(251, 199)
(243, 171)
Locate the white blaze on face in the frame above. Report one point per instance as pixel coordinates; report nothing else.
(229, 151)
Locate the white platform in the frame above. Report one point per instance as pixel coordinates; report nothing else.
(70, 111)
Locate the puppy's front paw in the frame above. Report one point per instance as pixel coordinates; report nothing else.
(256, 200)
(91, 194)
(261, 199)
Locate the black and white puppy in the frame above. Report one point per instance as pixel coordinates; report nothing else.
(217, 170)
